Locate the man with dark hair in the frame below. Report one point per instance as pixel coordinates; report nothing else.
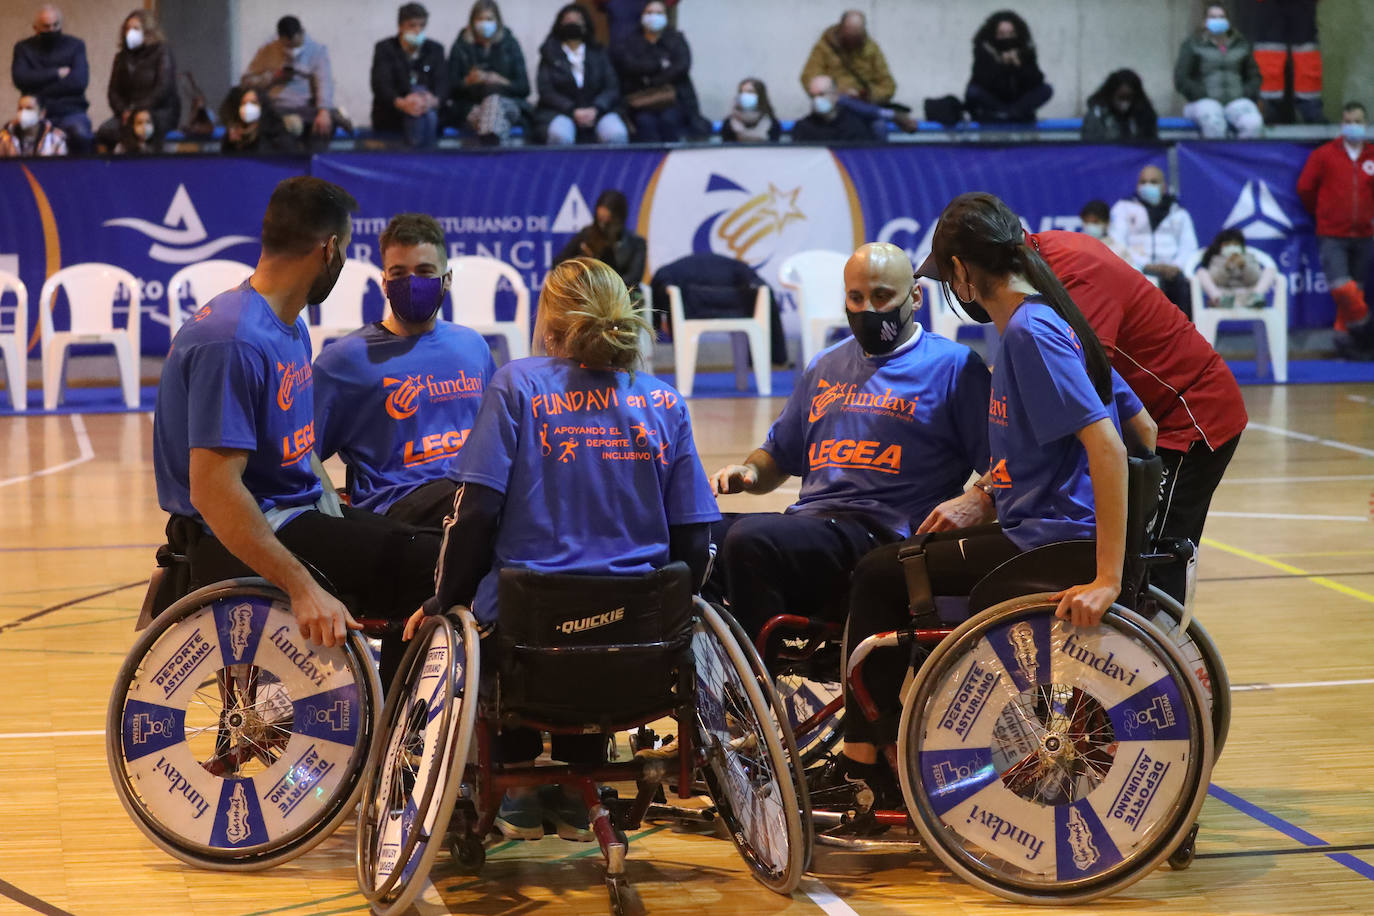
(52, 67)
(409, 80)
(396, 398)
(1096, 218)
(292, 75)
(234, 437)
(1337, 187)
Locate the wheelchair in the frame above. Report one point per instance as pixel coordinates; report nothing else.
(578, 655)
(232, 743)
(1044, 763)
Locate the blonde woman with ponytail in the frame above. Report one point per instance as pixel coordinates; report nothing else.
(577, 464)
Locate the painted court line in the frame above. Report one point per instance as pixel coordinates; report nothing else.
(825, 898)
(1311, 479)
(1318, 440)
(83, 444)
(1282, 516)
(1290, 830)
(1323, 581)
(1300, 685)
(87, 733)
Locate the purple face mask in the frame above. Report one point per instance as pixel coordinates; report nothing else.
(415, 299)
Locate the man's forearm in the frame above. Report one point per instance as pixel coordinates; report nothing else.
(767, 475)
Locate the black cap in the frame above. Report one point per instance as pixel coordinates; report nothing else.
(929, 269)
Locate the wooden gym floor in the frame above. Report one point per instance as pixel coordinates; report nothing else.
(1287, 592)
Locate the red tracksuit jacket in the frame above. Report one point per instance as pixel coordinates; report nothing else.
(1339, 192)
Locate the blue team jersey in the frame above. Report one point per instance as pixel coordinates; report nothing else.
(594, 468)
(1041, 397)
(398, 409)
(238, 377)
(890, 436)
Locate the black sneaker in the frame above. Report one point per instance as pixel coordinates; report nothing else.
(831, 787)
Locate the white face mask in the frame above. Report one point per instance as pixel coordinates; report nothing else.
(133, 39)
(1228, 250)
(250, 112)
(1218, 25)
(415, 39)
(654, 22)
(486, 28)
(822, 105)
(1354, 133)
(27, 118)
(748, 101)
(1096, 230)
(296, 52)
(147, 132)
(1150, 192)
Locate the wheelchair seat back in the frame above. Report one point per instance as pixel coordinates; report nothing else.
(580, 650)
(1053, 567)
(171, 578)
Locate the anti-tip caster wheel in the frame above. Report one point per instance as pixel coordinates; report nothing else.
(1183, 856)
(468, 853)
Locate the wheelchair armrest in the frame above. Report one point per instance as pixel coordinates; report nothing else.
(1050, 568)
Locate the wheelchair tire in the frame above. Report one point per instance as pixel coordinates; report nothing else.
(419, 759)
(1203, 657)
(1049, 798)
(233, 744)
(783, 725)
(745, 760)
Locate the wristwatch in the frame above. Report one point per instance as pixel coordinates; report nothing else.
(986, 488)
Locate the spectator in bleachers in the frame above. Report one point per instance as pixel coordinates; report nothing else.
(1337, 187)
(1216, 72)
(1120, 110)
(752, 119)
(654, 65)
(293, 79)
(143, 77)
(829, 121)
(1231, 276)
(1007, 85)
(139, 136)
(52, 67)
(409, 80)
(488, 83)
(623, 18)
(610, 241)
(579, 94)
(1157, 234)
(847, 54)
(31, 133)
(1096, 217)
(251, 127)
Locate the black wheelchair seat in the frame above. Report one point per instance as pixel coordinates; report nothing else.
(578, 649)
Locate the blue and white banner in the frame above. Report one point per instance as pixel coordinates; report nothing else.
(150, 216)
(1253, 187)
(758, 204)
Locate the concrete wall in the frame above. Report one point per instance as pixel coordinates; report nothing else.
(95, 22)
(928, 43)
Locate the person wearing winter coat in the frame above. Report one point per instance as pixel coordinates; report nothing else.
(579, 93)
(1216, 72)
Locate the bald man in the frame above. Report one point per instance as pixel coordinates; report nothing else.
(883, 429)
(1157, 234)
(51, 66)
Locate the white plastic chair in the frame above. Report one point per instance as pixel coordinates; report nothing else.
(342, 312)
(1269, 322)
(647, 338)
(946, 322)
(816, 279)
(203, 282)
(475, 279)
(687, 335)
(14, 343)
(91, 290)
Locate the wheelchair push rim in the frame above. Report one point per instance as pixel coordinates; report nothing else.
(745, 767)
(233, 744)
(1051, 764)
(419, 760)
(1203, 658)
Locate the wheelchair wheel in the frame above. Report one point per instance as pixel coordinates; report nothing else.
(746, 765)
(782, 716)
(419, 759)
(233, 744)
(1204, 660)
(1053, 764)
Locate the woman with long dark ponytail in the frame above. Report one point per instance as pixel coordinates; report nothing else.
(1058, 464)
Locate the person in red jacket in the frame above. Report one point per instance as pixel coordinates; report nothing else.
(1184, 384)
(1337, 187)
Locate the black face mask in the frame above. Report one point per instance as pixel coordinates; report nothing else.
(1004, 44)
(324, 283)
(570, 31)
(879, 332)
(48, 40)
